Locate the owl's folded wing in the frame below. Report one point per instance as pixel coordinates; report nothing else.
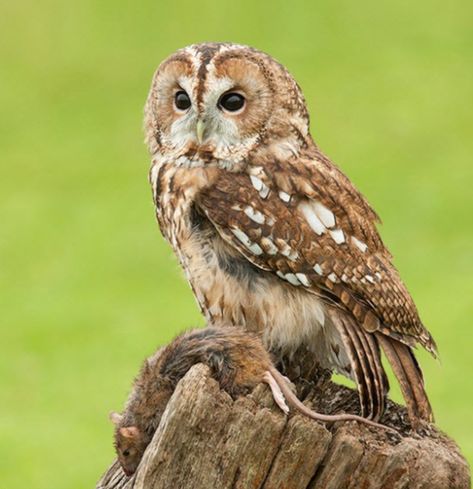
(310, 226)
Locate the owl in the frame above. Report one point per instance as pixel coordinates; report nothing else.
(271, 235)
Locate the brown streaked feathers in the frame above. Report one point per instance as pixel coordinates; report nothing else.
(271, 234)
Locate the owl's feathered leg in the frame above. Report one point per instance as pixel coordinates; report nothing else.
(365, 358)
(409, 375)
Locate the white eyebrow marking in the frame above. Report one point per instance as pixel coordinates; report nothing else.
(285, 197)
(324, 214)
(337, 236)
(359, 244)
(254, 215)
(314, 222)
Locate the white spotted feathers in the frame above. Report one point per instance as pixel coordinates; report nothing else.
(271, 234)
(320, 219)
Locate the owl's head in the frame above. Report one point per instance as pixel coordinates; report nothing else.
(220, 101)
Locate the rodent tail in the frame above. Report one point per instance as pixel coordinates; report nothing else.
(273, 376)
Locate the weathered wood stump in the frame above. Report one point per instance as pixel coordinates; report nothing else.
(207, 440)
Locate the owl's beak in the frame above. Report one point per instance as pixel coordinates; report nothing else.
(199, 130)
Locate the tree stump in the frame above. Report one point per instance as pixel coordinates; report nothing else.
(207, 440)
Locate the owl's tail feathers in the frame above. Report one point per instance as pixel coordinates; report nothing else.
(409, 376)
(368, 373)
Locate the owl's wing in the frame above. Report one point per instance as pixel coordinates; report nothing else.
(303, 220)
(307, 223)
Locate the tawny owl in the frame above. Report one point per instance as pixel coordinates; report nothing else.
(270, 233)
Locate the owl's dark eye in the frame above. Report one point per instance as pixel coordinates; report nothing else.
(231, 101)
(182, 100)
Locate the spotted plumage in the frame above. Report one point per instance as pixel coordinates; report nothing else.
(270, 233)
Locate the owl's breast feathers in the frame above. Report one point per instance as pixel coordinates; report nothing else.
(175, 189)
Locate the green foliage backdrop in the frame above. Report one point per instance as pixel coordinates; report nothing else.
(87, 285)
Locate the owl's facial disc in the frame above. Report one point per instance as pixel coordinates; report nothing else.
(214, 119)
(219, 101)
(220, 107)
(208, 120)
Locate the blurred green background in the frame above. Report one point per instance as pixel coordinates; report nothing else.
(88, 288)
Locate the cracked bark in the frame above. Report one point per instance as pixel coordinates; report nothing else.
(207, 440)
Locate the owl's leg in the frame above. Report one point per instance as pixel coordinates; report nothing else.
(410, 378)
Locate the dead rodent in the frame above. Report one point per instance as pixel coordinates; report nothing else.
(238, 361)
